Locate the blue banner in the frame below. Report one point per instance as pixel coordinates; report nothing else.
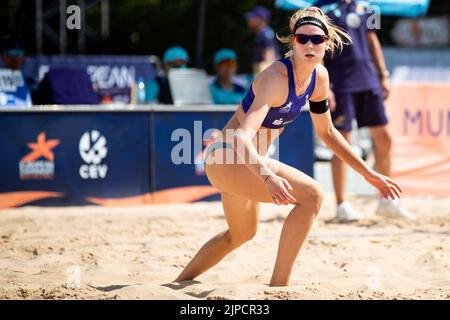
(120, 158)
(81, 156)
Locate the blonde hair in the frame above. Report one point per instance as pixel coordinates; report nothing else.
(338, 37)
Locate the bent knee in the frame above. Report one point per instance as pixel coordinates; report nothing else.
(238, 238)
(312, 196)
(316, 196)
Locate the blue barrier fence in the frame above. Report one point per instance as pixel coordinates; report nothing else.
(80, 155)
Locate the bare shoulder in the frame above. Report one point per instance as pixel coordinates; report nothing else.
(321, 73)
(272, 82)
(322, 84)
(274, 75)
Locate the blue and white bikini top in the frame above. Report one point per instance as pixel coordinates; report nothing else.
(278, 117)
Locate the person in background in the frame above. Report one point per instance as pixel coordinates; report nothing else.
(158, 89)
(13, 57)
(265, 48)
(223, 90)
(358, 86)
(174, 57)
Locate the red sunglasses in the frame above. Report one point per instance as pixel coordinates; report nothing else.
(315, 38)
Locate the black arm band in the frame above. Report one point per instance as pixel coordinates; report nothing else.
(318, 107)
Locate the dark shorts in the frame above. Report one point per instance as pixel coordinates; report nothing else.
(367, 107)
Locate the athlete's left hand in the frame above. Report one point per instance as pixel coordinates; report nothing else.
(387, 186)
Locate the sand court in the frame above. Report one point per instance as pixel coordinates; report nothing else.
(135, 252)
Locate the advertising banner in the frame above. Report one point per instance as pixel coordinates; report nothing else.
(72, 158)
(419, 116)
(120, 158)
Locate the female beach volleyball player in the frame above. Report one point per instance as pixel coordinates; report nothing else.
(237, 165)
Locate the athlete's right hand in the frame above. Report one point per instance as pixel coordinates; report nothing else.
(278, 189)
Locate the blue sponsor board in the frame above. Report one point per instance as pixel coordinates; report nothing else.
(81, 155)
(119, 157)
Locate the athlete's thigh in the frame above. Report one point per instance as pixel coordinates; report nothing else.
(241, 213)
(237, 179)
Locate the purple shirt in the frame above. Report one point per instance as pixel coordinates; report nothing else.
(264, 39)
(353, 69)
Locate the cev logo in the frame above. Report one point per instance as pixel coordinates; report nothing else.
(93, 150)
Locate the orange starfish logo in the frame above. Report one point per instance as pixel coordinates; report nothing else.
(41, 148)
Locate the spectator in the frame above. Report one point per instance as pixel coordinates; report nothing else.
(174, 57)
(265, 49)
(223, 90)
(158, 89)
(13, 57)
(359, 83)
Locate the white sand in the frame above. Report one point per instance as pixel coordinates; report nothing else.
(130, 253)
